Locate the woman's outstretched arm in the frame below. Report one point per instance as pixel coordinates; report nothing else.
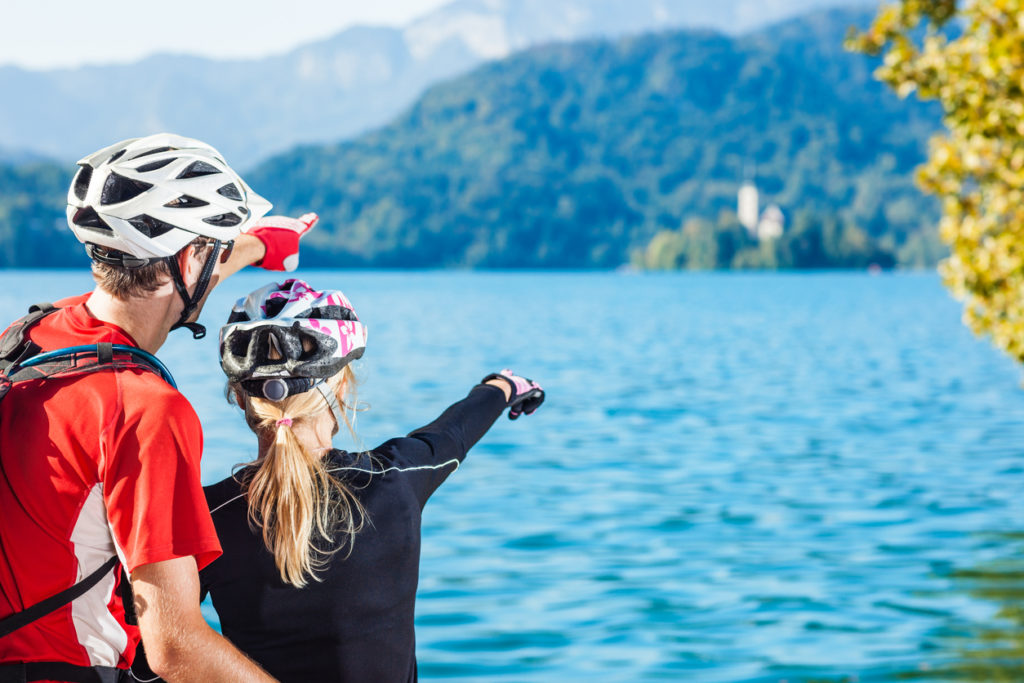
(432, 452)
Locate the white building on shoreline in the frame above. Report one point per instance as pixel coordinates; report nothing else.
(772, 223)
(747, 206)
(762, 226)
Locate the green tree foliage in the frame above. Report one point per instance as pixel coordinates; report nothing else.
(667, 251)
(33, 228)
(969, 56)
(923, 249)
(695, 247)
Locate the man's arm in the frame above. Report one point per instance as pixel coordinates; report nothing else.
(247, 251)
(180, 646)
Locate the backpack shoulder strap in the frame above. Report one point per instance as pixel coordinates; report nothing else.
(16, 348)
(12, 623)
(14, 345)
(44, 308)
(77, 360)
(105, 353)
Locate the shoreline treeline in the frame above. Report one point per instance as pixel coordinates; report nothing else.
(812, 241)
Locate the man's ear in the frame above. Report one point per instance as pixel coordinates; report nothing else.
(189, 265)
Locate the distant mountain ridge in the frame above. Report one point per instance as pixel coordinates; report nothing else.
(10, 155)
(325, 91)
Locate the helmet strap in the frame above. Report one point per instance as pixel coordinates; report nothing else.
(192, 302)
(332, 403)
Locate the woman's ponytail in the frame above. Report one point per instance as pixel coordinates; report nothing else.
(300, 508)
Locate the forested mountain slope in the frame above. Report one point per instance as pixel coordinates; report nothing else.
(33, 229)
(573, 155)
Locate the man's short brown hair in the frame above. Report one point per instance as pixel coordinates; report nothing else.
(128, 283)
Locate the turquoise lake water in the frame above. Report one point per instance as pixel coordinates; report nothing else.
(735, 477)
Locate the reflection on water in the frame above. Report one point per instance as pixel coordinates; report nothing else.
(990, 648)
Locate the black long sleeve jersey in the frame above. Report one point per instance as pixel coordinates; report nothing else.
(356, 623)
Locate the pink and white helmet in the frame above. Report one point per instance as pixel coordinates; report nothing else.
(289, 331)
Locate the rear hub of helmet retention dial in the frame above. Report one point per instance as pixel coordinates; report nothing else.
(275, 389)
(278, 388)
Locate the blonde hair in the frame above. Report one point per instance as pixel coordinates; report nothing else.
(300, 507)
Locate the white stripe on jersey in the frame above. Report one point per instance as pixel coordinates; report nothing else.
(98, 631)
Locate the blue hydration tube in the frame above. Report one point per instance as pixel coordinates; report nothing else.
(131, 350)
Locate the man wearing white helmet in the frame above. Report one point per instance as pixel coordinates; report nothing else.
(99, 452)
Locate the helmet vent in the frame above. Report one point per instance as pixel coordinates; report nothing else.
(149, 226)
(81, 184)
(197, 169)
(223, 220)
(185, 202)
(238, 344)
(119, 189)
(153, 165)
(88, 218)
(158, 150)
(273, 307)
(238, 317)
(329, 313)
(116, 157)
(231, 192)
(274, 352)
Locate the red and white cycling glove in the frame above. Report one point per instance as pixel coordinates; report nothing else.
(526, 396)
(280, 235)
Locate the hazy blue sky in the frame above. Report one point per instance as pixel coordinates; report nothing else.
(51, 33)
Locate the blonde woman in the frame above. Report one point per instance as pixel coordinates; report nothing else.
(321, 547)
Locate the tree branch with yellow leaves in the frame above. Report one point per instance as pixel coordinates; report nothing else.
(968, 56)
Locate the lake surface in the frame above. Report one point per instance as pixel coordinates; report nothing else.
(735, 477)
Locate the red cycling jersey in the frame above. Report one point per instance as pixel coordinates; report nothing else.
(92, 465)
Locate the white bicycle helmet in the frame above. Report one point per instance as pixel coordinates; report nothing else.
(143, 200)
(149, 197)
